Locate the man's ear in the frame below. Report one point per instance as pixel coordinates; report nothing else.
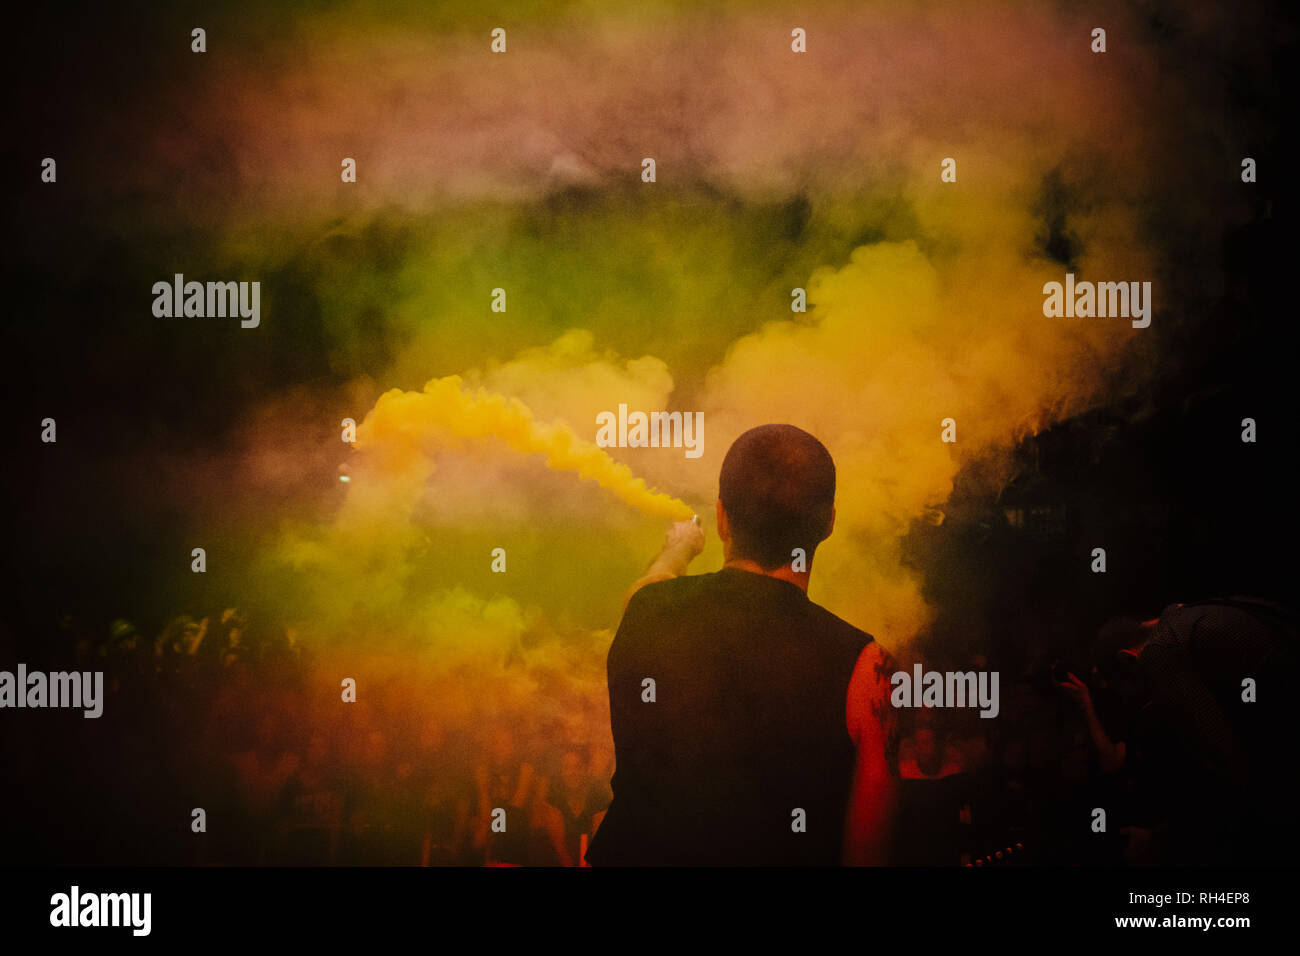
(830, 527)
(720, 516)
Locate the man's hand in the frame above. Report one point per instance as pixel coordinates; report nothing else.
(1109, 754)
(684, 540)
(1077, 691)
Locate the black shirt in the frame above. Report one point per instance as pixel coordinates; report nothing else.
(746, 728)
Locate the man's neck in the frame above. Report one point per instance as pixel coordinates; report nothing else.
(782, 572)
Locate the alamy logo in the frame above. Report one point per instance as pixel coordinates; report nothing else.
(60, 689)
(946, 689)
(209, 300)
(102, 909)
(653, 430)
(1128, 300)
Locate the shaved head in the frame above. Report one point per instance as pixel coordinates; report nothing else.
(777, 487)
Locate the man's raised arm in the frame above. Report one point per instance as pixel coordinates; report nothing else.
(684, 540)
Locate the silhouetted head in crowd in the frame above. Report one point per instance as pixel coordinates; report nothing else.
(1118, 643)
(776, 492)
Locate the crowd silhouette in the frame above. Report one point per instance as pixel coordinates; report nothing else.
(219, 714)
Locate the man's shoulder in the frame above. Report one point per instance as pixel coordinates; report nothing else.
(669, 592)
(839, 629)
(672, 595)
(658, 609)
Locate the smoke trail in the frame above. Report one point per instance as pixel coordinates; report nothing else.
(404, 428)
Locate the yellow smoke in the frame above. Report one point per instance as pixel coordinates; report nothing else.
(900, 336)
(897, 343)
(405, 429)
